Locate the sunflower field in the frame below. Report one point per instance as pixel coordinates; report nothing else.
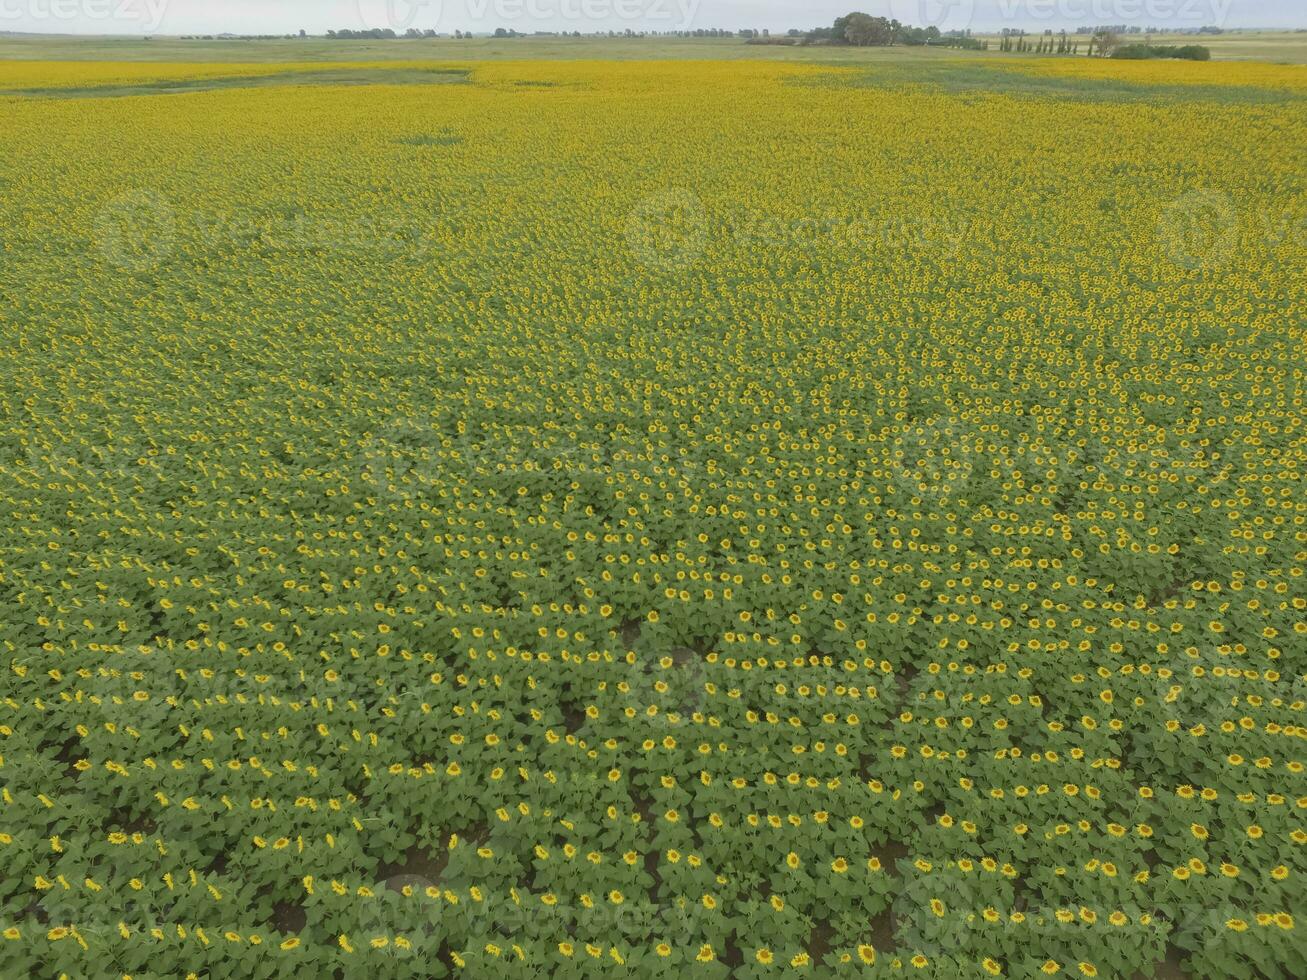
(656, 520)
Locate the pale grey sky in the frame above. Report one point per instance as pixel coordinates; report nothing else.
(316, 16)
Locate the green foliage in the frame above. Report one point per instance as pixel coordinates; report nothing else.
(1138, 52)
(618, 546)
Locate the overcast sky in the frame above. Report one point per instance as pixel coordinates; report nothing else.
(317, 16)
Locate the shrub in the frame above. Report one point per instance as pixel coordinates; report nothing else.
(1140, 52)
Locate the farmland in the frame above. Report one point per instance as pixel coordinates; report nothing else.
(652, 518)
(1283, 47)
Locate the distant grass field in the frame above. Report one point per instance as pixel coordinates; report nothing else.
(1288, 47)
(1282, 47)
(976, 77)
(360, 75)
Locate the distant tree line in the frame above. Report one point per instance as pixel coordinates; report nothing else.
(1046, 43)
(855, 29)
(863, 30)
(1135, 29)
(1104, 42)
(243, 37)
(375, 34)
(413, 33)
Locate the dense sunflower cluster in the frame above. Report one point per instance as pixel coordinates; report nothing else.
(652, 520)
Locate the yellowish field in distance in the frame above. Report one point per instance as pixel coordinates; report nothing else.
(652, 518)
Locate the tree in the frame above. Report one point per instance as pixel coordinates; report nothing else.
(1107, 41)
(863, 30)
